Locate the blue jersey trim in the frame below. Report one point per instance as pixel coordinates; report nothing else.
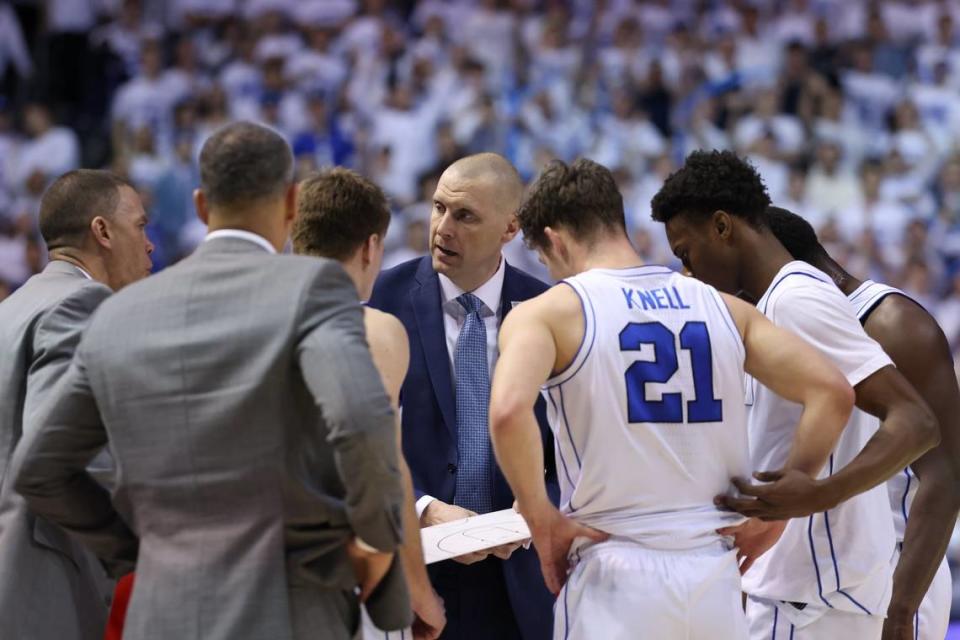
(906, 492)
(766, 302)
(563, 409)
(563, 461)
(816, 567)
(833, 556)
(593, 338)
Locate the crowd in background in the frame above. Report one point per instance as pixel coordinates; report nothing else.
(850, 109)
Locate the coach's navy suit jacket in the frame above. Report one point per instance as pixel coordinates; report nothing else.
(411, 292)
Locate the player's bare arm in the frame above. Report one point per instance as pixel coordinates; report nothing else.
(390, 350)
(923, 356)
(538, 338)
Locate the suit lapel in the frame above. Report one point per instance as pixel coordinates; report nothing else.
(512, 291)
(429, 317)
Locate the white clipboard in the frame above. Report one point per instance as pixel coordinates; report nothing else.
(476, 533)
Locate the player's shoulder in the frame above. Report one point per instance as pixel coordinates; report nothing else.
(899, 319)
(384, 326)
(799, 282)
(554, 303)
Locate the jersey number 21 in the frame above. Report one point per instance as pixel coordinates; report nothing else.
(703, 407)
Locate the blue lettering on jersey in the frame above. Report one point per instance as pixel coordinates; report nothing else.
(661, 298)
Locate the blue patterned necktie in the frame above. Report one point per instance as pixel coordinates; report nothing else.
(475, 469)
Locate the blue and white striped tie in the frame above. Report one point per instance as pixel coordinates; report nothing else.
(475, 467)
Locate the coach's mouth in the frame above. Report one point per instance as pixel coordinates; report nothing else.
(446, 252)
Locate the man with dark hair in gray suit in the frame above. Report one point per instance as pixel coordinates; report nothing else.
(93, 225)
(257, 481)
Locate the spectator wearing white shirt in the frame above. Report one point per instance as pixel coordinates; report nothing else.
(938, 104)
(702, 131)
(941, 48)
(276, 39)
(795, 198)
(831, 188)
(624, 61)
(795, 24)
(884, 217)
(626, 138)
(766, 158)
(316, 67)
(50, 151)
(186, 78)
(489, 37)
(909, 21)
(124, 35)
(787, 130)
(871, 93)
(241, 78)
(144, 101)
(404, 137)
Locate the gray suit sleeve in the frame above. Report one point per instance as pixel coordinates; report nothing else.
(62, 433)
(339, 372)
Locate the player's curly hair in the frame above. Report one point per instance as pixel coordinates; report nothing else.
(582, 196)
(795, 234)
(712, 181)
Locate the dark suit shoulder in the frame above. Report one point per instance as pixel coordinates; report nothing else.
(526, 282)
(399, 274)
(393, 282)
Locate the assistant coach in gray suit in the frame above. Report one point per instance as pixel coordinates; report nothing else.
(254, 442)
(93, 225)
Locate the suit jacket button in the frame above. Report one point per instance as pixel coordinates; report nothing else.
(452, 468)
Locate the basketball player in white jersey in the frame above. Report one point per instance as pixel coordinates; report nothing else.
(829, 575)
(924, 497)
(643, 370)
(343, 216)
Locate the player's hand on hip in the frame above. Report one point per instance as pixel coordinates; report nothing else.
(553, 533)
(438, 512)
(752, 539)
(786, 494)
(430, 615)
(369, 567)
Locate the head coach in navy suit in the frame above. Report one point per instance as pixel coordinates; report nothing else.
(452, 303)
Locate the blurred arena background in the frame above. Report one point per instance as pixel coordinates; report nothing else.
(850, 109)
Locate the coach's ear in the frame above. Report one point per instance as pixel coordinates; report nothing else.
(722, 224)
(200, 204)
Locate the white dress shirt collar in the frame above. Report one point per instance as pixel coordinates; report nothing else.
(489, 293)
(242, 235)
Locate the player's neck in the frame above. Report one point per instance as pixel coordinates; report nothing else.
(844, 281)
(611, 254)
(763, 258)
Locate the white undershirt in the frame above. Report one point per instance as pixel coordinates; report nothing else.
(240, 234)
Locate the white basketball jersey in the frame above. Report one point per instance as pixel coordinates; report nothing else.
(840, 559)
(903, 486)
(648, 419)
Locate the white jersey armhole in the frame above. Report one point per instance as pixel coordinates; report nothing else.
(586, 342)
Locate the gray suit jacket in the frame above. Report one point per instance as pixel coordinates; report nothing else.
(51, 587)
(251, 436)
